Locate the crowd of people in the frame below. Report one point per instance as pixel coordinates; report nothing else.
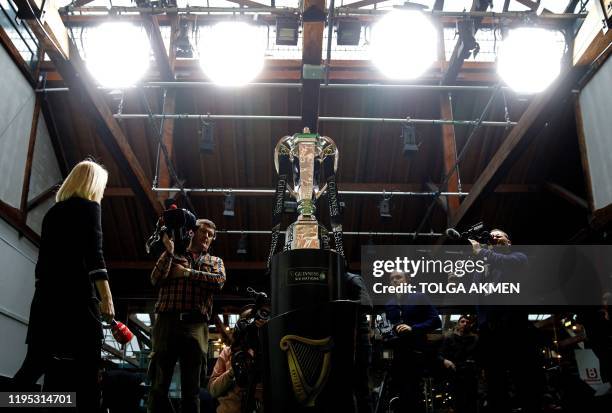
(71, 277)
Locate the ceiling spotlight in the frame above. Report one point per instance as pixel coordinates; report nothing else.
(403, 44)
(384, 207)
(117, 54)
(228, 205)
(207, 137)
(242, 245)
(232, 53)
(409, 136)
(183, 44)
(530, 58)
(287, 31)
(349, 33)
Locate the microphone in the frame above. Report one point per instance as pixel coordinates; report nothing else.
(452, 233)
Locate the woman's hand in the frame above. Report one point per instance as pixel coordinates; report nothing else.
(107, 309)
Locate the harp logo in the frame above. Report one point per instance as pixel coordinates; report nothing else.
(309, 362)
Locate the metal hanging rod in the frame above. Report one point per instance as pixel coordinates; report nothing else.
(184, 116)
(357, 233)
(256, 191)
(340, 86)
(531, 15)
(342, 11)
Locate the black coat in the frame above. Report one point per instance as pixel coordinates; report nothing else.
(65, 312)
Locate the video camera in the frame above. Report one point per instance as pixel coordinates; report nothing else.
(179, 224)
(476, 232)
(246, 337)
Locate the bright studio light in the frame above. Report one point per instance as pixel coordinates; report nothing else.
(232, 53)
(530, 59)
(404, 44)
(118, 54)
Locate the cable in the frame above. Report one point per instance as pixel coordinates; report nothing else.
(164, 150)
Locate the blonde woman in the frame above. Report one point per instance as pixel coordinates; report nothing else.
(65, 330)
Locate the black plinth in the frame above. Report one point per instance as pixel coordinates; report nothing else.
(309, 312)
(305, 277)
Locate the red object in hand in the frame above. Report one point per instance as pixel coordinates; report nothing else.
(122, 334)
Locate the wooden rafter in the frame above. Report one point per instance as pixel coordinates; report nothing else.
(312, 47)
(248, 3)
(539, 109)
(462, 49)
(78, 79)
(157, 44)
(27, 174)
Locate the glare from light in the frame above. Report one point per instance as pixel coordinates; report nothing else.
(530, 59)
(404, 44)
(118, 54)
(232, 53)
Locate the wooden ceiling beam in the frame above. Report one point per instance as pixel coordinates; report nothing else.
(528, 3)
(77, 77)
(313, 15)
(566, 194)
(162, 58)
(290, 70)
(513, 145)
(462, 48)
(248, 3)
(363, 3)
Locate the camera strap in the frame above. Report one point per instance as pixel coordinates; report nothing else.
(334, 207)
(284, 169)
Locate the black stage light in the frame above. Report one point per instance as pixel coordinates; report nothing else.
(287, 31)
(410, 145)
(228, 205)
(207, 137)
(242, 245)
(349, 33)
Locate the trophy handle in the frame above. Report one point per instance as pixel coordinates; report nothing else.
(329, 148)
(281, 147)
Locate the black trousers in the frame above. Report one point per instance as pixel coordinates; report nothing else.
(510, 355)
(77, 371)
(407, 371)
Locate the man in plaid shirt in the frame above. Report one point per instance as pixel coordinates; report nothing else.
(186, 285)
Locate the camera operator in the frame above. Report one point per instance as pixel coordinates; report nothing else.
(507, 340)
(412, 316)
(234, 381)
(186, 281)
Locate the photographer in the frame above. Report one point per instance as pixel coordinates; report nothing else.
(507, 341)
(234, 376)
(186, 281)
(412, 316)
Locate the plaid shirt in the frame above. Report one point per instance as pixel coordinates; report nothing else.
(192, 294)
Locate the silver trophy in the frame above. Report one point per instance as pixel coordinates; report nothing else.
(307, 152)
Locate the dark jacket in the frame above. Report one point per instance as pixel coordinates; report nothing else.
(502, 267)
(416, 311)
(69, 261)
